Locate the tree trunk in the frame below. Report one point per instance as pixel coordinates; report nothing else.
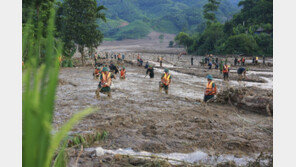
(91, 52)
(37, 8)
(81, 50)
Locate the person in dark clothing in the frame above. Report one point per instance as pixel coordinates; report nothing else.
(207, 60)
(241, 73)
(150, 71)
(235, 61)
(192, 61)
(141, 62)
(146, 65)
(113, 68)
(253, 61)
(216, 65)
(263, 59)
(210, 65)
(217, 60)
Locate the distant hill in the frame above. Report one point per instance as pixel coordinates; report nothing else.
(132, 19)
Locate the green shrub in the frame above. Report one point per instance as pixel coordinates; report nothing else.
(241, 43)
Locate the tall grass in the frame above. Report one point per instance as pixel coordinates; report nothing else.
(40, 79)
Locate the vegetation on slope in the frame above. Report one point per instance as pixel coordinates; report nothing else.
(168, 16)
(249, 32)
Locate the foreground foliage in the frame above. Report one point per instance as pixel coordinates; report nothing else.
(40, 79)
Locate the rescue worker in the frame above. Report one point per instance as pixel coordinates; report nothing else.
(160, 61)
(243, 61)
(165, 82)
(235, 61)
(241, 73)
(119, 57)
(211, 89)
(257, 58)
(97, 72)
(226, 72)
(105, 83)
(191, 60)
(150, 71)
(122, 73)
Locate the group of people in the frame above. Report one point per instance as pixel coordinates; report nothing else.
(118, 56)
(225, 67)
(240, 61)
(105, 75)
(209, 60)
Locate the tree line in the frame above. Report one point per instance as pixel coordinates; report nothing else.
(76, 26)
(249, 32)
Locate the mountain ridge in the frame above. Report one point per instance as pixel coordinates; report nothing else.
(167, 16)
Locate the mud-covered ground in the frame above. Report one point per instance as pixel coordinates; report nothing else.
(139, 117)
(140, 121)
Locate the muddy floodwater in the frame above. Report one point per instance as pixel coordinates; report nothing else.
(138, 118)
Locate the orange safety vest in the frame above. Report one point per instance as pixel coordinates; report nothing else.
(122, 73)
(210, 89)
(166, 78)
(160, 59)
(243, 60)
(105, 78)
(97, 71)
(119, 56)
(225, 69)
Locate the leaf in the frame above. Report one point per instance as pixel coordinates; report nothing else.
(63, 132)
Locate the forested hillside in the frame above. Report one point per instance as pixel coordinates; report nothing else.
(249, 32)
(136, 18)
